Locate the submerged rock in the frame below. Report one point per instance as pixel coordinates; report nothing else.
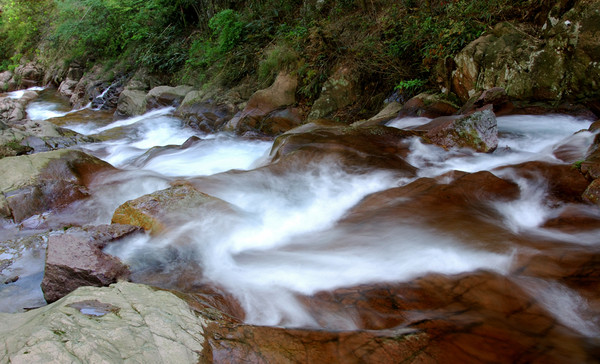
(478, 131)
(35, 183)
(75, 259)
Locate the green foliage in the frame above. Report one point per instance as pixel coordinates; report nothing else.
(22, 24)
(147, 31)
(410, 87)
(226, 32)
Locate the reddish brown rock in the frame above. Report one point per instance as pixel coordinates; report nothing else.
(478, 131)
(256, 344)
(473, 317)
(75, 259)
(461, 207)
(564, 182)
(429, 106)
(354, 147)
(575, 218)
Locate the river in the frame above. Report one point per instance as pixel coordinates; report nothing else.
(296, 234)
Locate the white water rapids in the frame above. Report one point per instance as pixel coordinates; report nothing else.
(286, 240)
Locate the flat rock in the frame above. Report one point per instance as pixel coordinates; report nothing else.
(125, 322)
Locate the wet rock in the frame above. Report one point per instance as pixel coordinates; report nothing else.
(75, 259)
(131, 103)
(36, 183)
(260, 111)
(13, 110)
(166, 209)
(564, 183)
(574, 219)
(457, 203)
(478, 131)
(162, 96)
(476, 317)
(92, 84)
(107, 95)
(204, 115)
(592, 192)
(337, 93)
(31, 136)
(354, 147)
(276, 345)
(123, 322)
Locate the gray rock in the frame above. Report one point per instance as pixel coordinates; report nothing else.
(337, 92)
(166, 96)
(131, 102)
(123, 323)
(561, 64)
(478, 131)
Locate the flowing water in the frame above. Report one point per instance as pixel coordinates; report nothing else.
(291, 236)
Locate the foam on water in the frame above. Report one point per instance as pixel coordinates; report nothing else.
(19, 93)
(522, 138)
(208, 156)
(286, 242)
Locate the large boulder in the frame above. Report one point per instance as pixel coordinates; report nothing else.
(561, 64)
(266, 109)
(162, 96)
(167, 208)
(478, 131)
(13, 110)
(131, 102)
(74, 259)
(34, 136)
(338, 92)
(28, 75)
(32, 184)
(123, 323)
